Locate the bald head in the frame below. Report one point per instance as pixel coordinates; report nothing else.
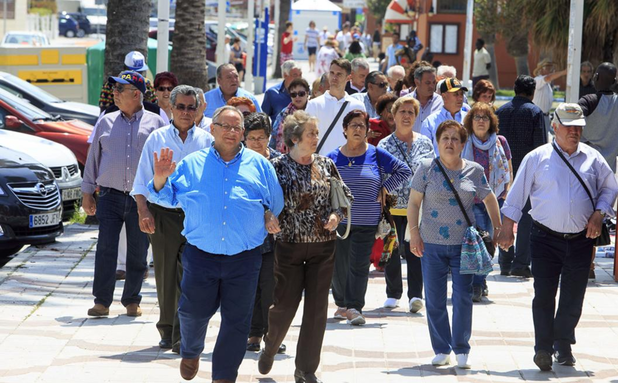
(605, 76)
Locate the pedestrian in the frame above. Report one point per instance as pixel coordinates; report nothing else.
(277, 97)
(299, 91)
(305, 246)
(492, 152)
(391, 59)
(482, 63)
(425, 92)
(326, 55)
(377, 41)
(164, 83)
(453, 98)
(163, 222)
(324, 36)
(243, 104)
(229, 195)
(586, 86)
(568, 215)
(237, 58)
(229, 86)
(355, 50)
(360, 70)
(202, 121)
(394, 74)
(287, 43)
(484, 91)
(111, 166)
(411, 148)
(362, 167)
(257, 131)
(344, 37)
(375, 85)
(523, 125)
(544, 74)
(438, 241)
(312, 43)
(384, 124)
(330, 108)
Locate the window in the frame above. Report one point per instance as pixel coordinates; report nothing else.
(10, 9)
(452, 6)
(444, 38)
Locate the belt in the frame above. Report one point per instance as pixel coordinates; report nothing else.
(116, 191)
(558, 234)
(171, 210)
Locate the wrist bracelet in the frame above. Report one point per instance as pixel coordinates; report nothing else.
(414, 227)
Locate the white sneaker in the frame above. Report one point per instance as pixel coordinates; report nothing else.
(416, 304)
(355, 318)
(462, 361)
(441, 360)
(391, 303)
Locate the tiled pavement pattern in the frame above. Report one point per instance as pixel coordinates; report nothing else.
(45, 335)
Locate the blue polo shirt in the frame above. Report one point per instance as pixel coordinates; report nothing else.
(275, 99)
(214, 99)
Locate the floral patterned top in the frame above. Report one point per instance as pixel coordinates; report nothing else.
(421, 148)
(306, 195)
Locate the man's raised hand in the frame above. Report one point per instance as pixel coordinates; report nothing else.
(164, 165)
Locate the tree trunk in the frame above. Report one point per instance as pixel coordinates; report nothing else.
(517, 47)
(284, 14)
(493, 69)
(521, 62)
(127, 30)
(188, 59)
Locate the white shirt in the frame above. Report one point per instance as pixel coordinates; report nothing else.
(543, 94)
(325, 108)
(481, 59)
(344, 39)
(323, 37)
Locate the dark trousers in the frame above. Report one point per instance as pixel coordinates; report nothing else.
(479, 78)
(392, 271)
(301, 267)
(352, 260)
(520, 258)
(167, 246)
(263, 296)
(213, 281)
(565, 262)
(114, 208)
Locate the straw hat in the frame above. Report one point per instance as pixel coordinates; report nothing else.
(541, 64)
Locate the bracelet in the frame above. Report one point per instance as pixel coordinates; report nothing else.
(497, 228)
(413, 227)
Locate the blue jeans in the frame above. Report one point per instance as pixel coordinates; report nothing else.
(114, 208)
(210, 281)
(436, 261)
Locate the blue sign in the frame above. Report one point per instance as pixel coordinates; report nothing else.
(260, 48)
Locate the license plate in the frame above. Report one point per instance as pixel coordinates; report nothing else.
(71, 194)
(41, 220)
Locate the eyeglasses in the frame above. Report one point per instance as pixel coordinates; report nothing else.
(121, 88)
(229, 128)
(188, 108)
(164, 88)
(357, 126)
(381, 84)
(302, 93)
(478, 117)
(257, 139)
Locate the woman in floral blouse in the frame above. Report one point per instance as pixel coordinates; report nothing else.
(305, 247)
(411, 148)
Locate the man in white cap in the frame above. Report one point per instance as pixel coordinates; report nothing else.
(133, 61)
(567, 217)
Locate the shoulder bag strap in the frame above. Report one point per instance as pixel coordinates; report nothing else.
(405, 157)
(576, 174)
(461, 206)
(332, 125)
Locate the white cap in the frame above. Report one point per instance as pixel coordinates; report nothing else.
(135, 61)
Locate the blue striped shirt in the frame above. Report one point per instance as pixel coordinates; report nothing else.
(362, 176)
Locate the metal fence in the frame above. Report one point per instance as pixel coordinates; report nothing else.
(45, 24)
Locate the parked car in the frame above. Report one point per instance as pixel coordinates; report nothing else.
(25, 38)
(58, 158)
(29, 201)
(42, 99)
(69, 27)
(21, 116)
(97, 16)
(82, 20)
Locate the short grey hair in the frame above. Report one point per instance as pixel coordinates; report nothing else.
(359, 63)
(588, 64)
(218, 112)
(185, 90)
(447, 71)
(421, 70)
(394, 68)
(287, 66)
(200, 96)
(294, 126)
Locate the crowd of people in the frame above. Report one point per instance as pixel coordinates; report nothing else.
(236, 200)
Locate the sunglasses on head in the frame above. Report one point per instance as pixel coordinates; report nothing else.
(302, 93)
(164, 88)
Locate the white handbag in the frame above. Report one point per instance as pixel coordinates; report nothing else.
(339, 200)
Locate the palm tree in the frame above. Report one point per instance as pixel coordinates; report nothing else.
(188, 58)
(126, 31)
(284, 14)
(514, 30)
(486, 19)
(601, 32)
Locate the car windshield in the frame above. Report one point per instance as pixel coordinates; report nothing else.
(26, 39)
(19, 85)
(24, 107)
(94, 11)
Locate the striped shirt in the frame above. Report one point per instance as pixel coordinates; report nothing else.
(313, 36)
(362, 175)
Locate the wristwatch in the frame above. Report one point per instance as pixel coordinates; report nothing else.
(601, 212)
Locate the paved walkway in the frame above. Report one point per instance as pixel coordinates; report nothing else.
(45, 335)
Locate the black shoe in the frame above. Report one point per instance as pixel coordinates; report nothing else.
(505, 273)
(281, 349)
(265, 363)
(305, 377)
(176, 348)
(253, 347)
(543, 360)
(526, 273)
(565, 359)
(165, 344)
(477, 291)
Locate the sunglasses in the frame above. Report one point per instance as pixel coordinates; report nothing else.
(122, 88)
(381, 85)
(189, 108)
(229, 128)
(302, 93)
(164, 88)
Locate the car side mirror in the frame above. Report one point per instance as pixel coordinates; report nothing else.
(12, 122)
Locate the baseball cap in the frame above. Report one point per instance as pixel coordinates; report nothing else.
(570, 114)
(451, 85)
(130, 77)
(135, 61)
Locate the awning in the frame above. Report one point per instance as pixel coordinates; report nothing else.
(396, 11)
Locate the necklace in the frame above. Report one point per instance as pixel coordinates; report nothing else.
(351, 160)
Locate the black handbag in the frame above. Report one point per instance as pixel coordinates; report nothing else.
(487, 240)
(603, 239)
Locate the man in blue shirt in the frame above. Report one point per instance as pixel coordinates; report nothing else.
(229, 86)
(164, 222)
(391, 51)
(227, 192)
(277, 97)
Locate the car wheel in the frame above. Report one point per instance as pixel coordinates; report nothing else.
(81, 33)
(69, 33)
(7, 252)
